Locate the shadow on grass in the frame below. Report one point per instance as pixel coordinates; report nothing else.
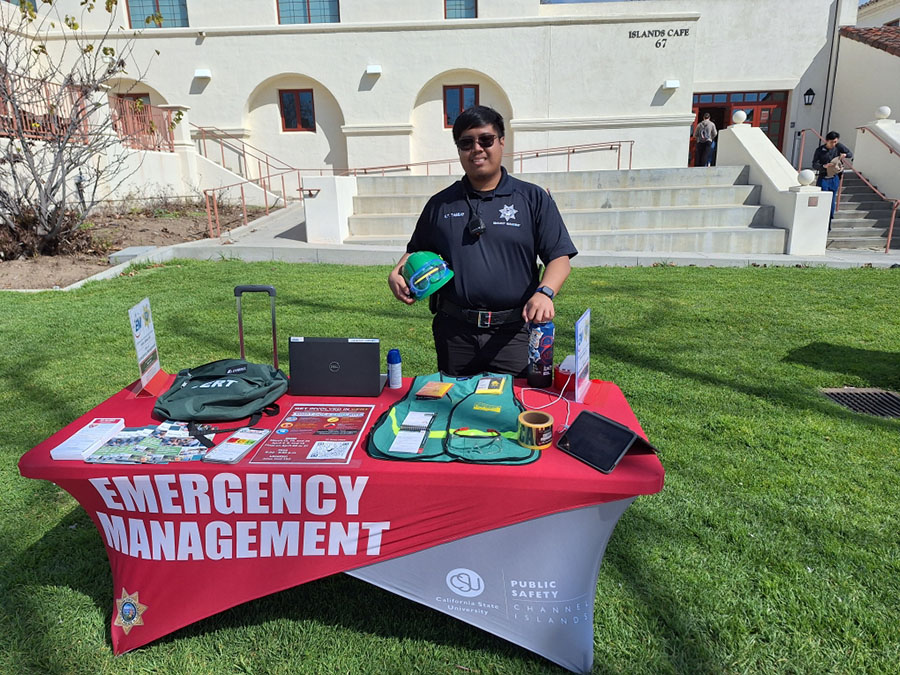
(71, 557)
(793, 398)
(680, 647)
(877, 368)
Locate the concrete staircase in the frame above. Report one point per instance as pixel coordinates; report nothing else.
(710, 210)
(862, 219)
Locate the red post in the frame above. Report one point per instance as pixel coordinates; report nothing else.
(218, 224)
(208, 213)
(887, 246)
(244, 203)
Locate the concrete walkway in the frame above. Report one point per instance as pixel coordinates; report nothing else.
(280, 235)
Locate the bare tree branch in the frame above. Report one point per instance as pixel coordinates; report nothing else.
(61, 142)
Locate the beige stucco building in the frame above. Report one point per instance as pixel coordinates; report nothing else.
(375, 83)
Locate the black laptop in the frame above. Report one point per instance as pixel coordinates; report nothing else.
(335, 366)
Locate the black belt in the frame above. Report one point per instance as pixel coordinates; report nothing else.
(482, 318)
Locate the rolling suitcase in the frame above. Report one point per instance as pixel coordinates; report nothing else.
(229, 389)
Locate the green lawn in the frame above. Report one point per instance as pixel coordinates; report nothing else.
(774, 547)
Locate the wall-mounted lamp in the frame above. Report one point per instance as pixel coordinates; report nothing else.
(671, 84)
(203, 74)
(373, 69)
(809, 96)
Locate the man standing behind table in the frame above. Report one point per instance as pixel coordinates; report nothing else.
(490, 228)
(827, 162)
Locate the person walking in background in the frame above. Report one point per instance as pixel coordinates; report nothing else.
(704, 135)
(828, 162)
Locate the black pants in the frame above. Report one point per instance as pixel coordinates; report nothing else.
(702, 153)
(464, 349)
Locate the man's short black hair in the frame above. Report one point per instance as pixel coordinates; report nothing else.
(478, 116)
(832, 136)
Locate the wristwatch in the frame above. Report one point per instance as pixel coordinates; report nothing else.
(546, 290)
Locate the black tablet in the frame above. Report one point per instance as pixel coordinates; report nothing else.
(599, 441)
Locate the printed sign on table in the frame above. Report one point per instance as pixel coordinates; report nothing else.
(583, 356)
(144, 340)
(315, 434)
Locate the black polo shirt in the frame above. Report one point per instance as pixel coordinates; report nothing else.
(497, 270)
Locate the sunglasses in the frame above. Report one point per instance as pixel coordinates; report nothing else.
(467, 143)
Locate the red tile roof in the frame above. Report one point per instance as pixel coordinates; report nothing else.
(885, 38)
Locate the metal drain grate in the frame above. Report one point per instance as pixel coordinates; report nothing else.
(876, 402)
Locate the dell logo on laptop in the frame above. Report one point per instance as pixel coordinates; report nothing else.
(334, 366)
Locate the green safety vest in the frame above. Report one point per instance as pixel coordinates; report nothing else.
(467, 427)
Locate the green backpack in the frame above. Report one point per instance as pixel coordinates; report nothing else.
(223, 391)
(467, 427)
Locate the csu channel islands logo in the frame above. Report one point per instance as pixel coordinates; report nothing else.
(129, 611)
(465, 582)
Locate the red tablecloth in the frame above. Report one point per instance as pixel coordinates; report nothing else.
(189, 540)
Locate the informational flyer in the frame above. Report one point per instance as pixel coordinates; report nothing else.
(582, 356)
(144, 340)
(315, 434)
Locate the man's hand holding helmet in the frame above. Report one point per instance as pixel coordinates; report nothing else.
(418, 275)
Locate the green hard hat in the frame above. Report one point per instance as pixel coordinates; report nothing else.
(425, 272)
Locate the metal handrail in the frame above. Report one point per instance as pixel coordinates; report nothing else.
(519, 156)
(878, 138)
(803, 143)
(265, 182)
(42, 110)
(227, 140)
(141, 126)
(848, 163)
(890, 234)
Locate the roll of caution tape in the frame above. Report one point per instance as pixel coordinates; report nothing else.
(535, 429)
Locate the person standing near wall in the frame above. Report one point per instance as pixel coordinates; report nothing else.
(828, 163)
(490, 228)
(704, 135)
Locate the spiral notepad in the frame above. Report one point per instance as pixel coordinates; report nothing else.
(417, 421)
(413, 431)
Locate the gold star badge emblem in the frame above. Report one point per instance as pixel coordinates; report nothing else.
(129, 611)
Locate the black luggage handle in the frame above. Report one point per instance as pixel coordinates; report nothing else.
(238, 292)
(254, 288)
